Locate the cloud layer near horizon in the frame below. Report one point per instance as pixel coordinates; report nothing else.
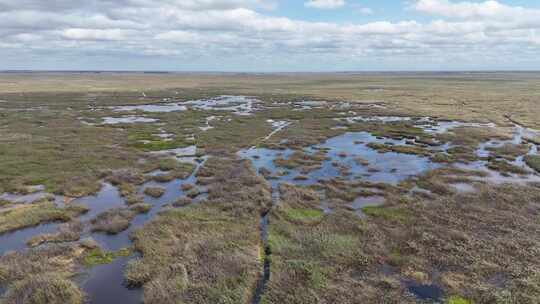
(241, 31)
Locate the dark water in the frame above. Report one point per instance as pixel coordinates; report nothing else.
(104, 284)
(428, 293)
(263, 281)
(16, 240)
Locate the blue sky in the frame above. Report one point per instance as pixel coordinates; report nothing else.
(270, 35)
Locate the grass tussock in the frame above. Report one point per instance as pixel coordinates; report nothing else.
(22, 216)
(533, 161)
(234, 185)
(155, 192)
(44, 289)
(305, 162)
(41, 275)
(68, 232)
(97, 256)
(116, 220)
(509, 151)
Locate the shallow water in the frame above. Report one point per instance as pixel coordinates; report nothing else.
(152, 108)
(29, 198)
(127, 120)
(107, 198)
(207, 127)
(388, 167)
(429, 293)
(239, 105)
(16, 240)
(463, 187)
(369, 201)
(104, 284)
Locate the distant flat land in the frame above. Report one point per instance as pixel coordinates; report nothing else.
(453, 95)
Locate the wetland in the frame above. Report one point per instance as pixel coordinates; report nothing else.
(277, 188)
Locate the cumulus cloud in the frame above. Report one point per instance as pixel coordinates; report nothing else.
(243, 32)
(491, 9)
(325, 4)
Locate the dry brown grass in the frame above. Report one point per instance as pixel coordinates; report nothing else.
(472, 245)
(44, 289)
(27, 215)
(207, 253)
(113, 221)
(154, 192)
(68, 232)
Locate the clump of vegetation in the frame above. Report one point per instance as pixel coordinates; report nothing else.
(40, 275)
(27, 215)
(44, 289)
(384, 148)
(304, 215)
(154, 192)
(209, 251)
(505, 167)
(141, 208)
(134, 199)
(126, 180)
(98, 257)
(299, 196)
(459, 300)
(346, 192)
(389, 213)
(115, 220)
(509, 151)
(68, 232)
(182, 202)
(235, 185)
(533, 161)
(306, 162)
(198, 251)
(164, 178)
(4, 203)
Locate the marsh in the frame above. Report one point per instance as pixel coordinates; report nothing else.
(227, 188)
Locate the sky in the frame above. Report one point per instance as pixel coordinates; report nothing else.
(270, 35)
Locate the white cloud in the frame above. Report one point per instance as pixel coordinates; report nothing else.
(96, 34)
(491, 10)
(325, 4)
(199, 31)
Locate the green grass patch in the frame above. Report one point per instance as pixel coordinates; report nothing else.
(306, 215)
(100, 257)
(459, 300)
(398, 214)
(533, 161)
(315, 274)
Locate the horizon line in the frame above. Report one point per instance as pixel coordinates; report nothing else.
(266, 72)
